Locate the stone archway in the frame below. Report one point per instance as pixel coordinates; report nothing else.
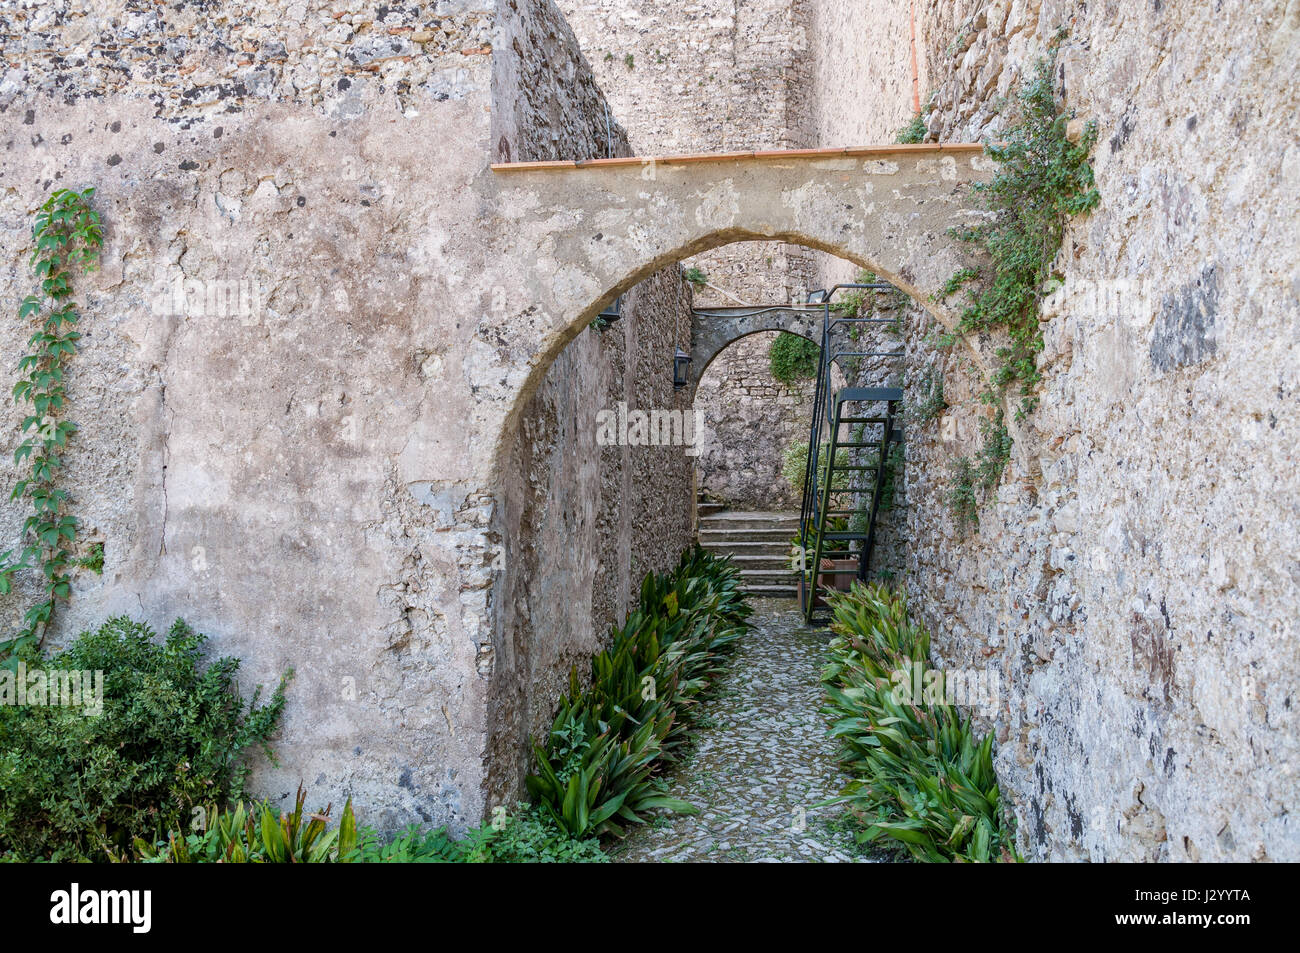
(581, 233)
(714, 329)
(568, 238)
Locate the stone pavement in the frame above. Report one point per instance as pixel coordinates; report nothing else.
(761, 762)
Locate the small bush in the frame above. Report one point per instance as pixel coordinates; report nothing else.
(923, 779)
(932, 402)
(76, 787)
(529, 836)
(962, 503)
(256, 834)
(793, 358)
(914, 132)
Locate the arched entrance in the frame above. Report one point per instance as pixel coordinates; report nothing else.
(579, 236)
(584, 233)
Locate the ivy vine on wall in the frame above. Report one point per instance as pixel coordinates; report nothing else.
(67, 235)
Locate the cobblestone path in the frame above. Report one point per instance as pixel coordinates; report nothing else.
(761, 762)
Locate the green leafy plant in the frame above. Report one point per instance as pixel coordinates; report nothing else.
(962, 503)
(67, 235)
(994, 452)
(93, 560)
(596, 772)
(169, 738)
(931, 403)
(531, 836)
(255, 833)
(792, 358)
(971, 477)
(915, 131)
(923, 779)
(1042, 180)
(794, 462)
(695, 276)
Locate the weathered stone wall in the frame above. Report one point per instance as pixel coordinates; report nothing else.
(583, 522)
(713, 76)
(274, 473)
(1133, 576)
(313, 476)
(750, 418)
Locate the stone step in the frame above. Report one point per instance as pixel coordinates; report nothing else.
(706, 510)
(773, 592)
(779, 534)
(731, 519)
(768, 577)
(762, 561)
(770, 548)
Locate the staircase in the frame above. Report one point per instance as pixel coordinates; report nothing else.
(759, 543)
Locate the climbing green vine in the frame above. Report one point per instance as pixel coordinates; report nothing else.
(1043, 179)
(67, 234)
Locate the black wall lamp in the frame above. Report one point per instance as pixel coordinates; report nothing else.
(613, 312)
(680, 370)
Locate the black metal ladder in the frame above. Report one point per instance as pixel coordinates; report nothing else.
(845, 472)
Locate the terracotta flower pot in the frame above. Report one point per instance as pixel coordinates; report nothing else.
(839, 581)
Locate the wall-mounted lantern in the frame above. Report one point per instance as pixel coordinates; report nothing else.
(613, 312)
(817, 297)
(680, 369)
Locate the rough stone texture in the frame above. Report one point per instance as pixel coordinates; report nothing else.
(713, 76)
(309, 480)
(762, 763)
(586, 522)
(583, 522)
(265, 475)
(1134, 576)
(750, 425)
(322, 482)
(750, 416)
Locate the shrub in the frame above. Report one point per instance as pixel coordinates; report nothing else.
(792, 358)
(596, 771)
(76, 787)
(931, 402)
(915, 131)
(794, 465)
(255, 834)
(531, 836)
(795, 462)
(962, 503)
(528, 836)
(923, 779)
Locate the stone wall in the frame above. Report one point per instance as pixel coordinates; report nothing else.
(714, 76)
(314, 474)
(274, 474)
(1132, 579)
(751, 418)
(586, 522)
